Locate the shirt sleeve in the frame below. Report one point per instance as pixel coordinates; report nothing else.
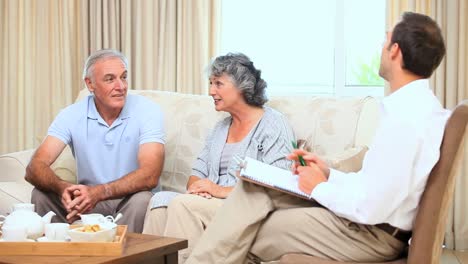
(372, 194)
(153, 127)
(60, 127)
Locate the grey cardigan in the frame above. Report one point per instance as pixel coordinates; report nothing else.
(269, 141)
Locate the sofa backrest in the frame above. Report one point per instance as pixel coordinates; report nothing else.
(330, 125)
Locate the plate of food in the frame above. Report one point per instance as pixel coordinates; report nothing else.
(104, 232)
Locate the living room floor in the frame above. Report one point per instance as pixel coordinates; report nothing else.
(454, 257)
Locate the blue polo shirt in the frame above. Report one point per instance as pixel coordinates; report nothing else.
(105, 153)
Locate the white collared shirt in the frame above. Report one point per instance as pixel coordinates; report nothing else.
(395, 169)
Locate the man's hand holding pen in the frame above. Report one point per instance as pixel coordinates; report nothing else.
(313, 173)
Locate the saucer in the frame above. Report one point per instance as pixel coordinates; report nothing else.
(42, 239)
(45, 239)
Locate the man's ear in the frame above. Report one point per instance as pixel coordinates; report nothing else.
(89, 84)
(395, 51)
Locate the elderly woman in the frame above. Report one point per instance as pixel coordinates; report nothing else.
(252, 130)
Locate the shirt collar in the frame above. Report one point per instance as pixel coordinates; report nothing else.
(92, 110)
(94, 114)
(405, 96)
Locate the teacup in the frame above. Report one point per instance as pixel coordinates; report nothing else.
(56, 231)
(23, 206)
(14, 233)
(95, 219)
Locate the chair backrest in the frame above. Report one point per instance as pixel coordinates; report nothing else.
(429, 226)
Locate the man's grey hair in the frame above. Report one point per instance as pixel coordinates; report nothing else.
(244, 76)
(99, 55)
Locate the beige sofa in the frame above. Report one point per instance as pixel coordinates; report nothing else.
(333, 127)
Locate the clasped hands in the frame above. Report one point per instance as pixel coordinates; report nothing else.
(78, 199)
(204, 188)
(315, 172)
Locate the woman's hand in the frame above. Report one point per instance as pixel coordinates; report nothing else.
(204, 186)
(205, 195)
(208, 189)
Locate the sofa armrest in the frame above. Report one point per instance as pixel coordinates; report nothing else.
(15, 189)
(13, 165)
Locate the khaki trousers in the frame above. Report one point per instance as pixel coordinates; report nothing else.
(155, 221)
(132, 207)
(270, 224)
(187, 217)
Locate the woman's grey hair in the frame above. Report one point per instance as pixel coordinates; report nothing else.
(99, 55)
(244, 76)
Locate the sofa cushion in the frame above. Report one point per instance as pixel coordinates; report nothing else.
(348, 161)
(188, 120)
(65, 166)
(329, 124)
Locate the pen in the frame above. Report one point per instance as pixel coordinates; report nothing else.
(301, 159)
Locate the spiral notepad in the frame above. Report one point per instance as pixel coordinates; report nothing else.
(270, 176)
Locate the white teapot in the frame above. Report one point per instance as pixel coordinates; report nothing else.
(29, 219)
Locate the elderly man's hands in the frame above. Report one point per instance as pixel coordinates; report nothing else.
(316, 171)
(78, 199)
(66, 198)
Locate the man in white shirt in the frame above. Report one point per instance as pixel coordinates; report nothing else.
(365, 216)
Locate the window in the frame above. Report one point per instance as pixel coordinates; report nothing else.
(309, 46)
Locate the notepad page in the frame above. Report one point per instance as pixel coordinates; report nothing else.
(271, 175)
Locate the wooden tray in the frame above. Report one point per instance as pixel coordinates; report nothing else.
(67, 248)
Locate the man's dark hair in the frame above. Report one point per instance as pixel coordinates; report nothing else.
(421, 43)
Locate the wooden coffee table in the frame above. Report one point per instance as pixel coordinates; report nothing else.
(138, 248)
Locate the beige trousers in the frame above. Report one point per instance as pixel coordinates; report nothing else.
(186, 217)
(155, 221)
(132, 207)
(270, 224)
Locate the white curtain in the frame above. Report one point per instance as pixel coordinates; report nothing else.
(39, 69)
(450, 84)
(43, 45)
(168, 42)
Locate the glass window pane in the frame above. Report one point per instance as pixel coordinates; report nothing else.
(364, 27)
(291, 41)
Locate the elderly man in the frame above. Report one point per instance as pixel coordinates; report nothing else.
(365, 216)
(118, 144)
